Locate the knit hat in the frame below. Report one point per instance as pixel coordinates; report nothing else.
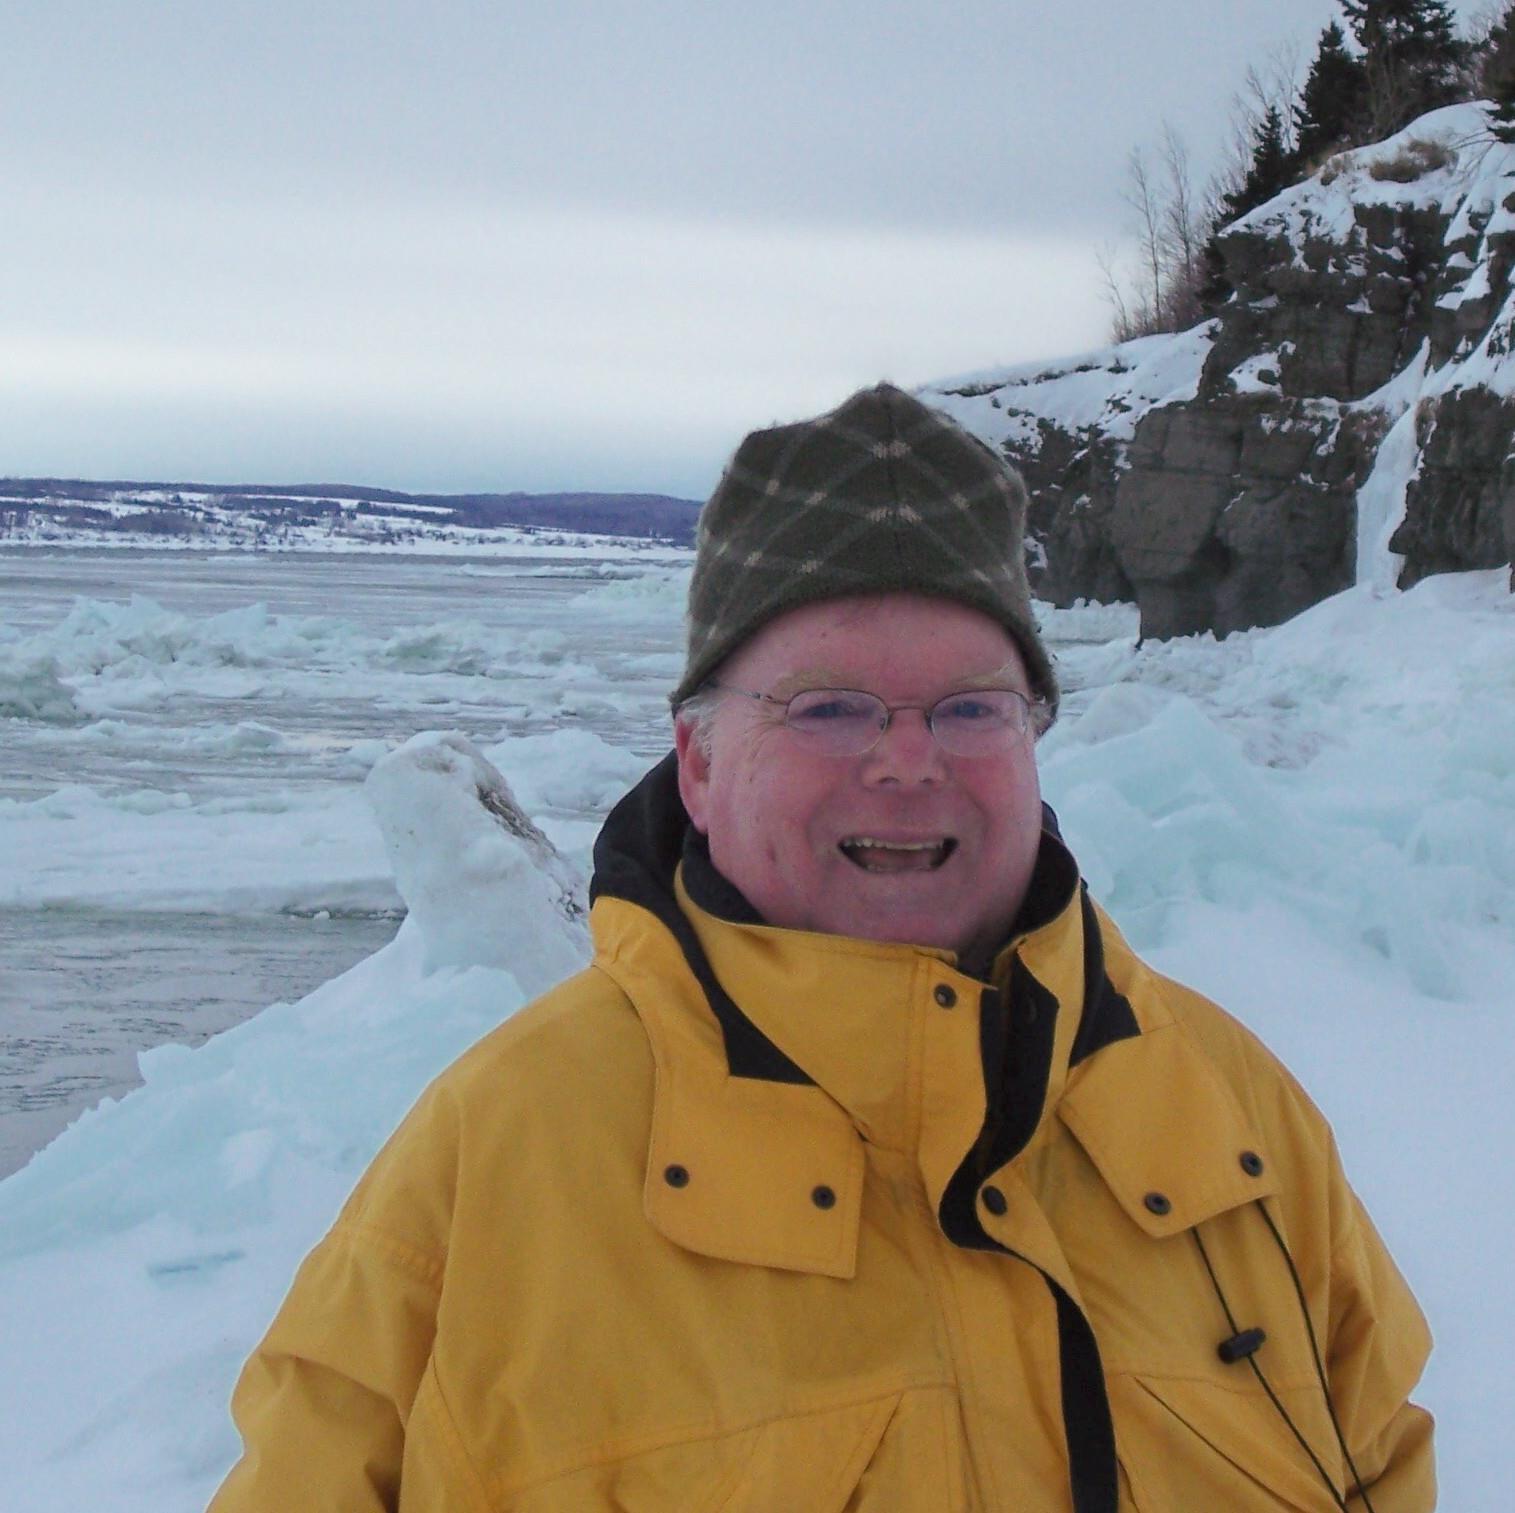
(880, 495)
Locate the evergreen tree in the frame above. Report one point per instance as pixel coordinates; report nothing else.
(1411, 56)
(1332, 103)
(1271, 171)
(1498, 74)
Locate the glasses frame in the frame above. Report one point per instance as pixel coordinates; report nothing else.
(1033, 720)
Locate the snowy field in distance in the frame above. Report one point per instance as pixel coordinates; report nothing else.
(1316, 824)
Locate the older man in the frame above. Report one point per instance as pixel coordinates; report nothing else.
(866, 1168)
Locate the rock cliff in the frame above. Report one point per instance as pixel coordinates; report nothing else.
(1348, 415)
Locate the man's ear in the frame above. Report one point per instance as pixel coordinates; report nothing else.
(694, 772)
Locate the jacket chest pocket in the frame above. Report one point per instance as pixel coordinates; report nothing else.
(1185, 1443)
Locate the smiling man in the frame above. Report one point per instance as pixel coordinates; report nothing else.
(865, 1170)
(864, 795)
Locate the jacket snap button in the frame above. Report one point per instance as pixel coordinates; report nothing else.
(994, 1200)
(1158, 1204)
(676, 1176)
(823, 1197)
(1252, 1163)
(944, 995)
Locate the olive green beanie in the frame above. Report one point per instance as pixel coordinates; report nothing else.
(880, 495)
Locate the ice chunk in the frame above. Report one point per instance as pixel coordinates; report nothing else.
(31, 688)
(481, 881)
(569, 769)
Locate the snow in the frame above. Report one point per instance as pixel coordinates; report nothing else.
(1381, 503)
(1452, 164)
(1469, 178)
(1325, 204)
(1104, 392)
(1314, 823)
(483, 885)
(1258, 374)
(361, 526)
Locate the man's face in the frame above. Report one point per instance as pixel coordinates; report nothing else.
(790, 825)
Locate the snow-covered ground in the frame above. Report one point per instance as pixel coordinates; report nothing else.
(1315, 824)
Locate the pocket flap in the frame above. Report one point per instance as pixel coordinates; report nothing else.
(1203, 1447)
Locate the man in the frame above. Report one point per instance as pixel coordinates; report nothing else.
(866, 1168)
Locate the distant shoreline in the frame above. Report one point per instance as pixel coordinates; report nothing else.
(72, 513)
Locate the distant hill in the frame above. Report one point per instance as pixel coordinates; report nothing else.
(41, 509)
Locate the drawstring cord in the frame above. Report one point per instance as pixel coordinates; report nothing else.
(1267, 1386)
(1320, 1369)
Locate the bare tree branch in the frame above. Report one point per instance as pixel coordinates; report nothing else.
(1141, 196)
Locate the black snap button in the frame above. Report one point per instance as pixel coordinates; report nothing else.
(823, 1197)
(944, 995)
(676, 1176)
(994, 1200)
(1252, 1163)
(1158, 1204)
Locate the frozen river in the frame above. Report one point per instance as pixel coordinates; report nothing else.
(183, 740)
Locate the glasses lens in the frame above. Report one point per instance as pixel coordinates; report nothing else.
(838, 719)
(978, 722)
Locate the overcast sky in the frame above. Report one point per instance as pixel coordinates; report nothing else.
(485, 244)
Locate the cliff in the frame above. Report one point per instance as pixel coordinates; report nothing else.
(1349, 415)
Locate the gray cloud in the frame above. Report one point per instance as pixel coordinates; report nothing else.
(458, 220)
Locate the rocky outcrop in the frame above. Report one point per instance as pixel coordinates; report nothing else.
(1460, 506)
(1348, 413)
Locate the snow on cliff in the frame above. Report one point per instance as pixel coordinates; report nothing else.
(1371, 299)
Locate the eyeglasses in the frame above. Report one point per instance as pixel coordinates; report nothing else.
(849, 722)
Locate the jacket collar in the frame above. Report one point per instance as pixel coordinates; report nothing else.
(780, 1053)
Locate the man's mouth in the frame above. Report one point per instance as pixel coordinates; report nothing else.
(897, 856)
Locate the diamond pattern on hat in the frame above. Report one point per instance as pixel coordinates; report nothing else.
(880, 495)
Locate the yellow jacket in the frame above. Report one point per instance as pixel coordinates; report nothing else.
(743, 1218)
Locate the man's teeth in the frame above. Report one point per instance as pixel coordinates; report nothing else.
(896, 856)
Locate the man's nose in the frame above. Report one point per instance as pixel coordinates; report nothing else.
(906, 752)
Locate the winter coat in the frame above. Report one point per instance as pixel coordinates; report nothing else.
(743, 1218)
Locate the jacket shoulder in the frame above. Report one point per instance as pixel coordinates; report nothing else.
(516, 1100)
(585, 1027)
(1266, 1088)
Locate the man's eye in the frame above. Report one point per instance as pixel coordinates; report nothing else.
(825, 709)
(968, 710)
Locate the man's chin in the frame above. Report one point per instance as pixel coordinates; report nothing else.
(895, 920)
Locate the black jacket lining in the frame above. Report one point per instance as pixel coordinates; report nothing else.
(1017, 1047)
(1086, 1410)
(710, 889)
(1017, 1056)
(635, 857)
(1108, 1015)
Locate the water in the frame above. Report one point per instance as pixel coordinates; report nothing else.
(221, 857)
(84, 990)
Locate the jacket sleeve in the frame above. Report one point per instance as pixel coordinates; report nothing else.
(324, 1401)
(1376, 1351)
